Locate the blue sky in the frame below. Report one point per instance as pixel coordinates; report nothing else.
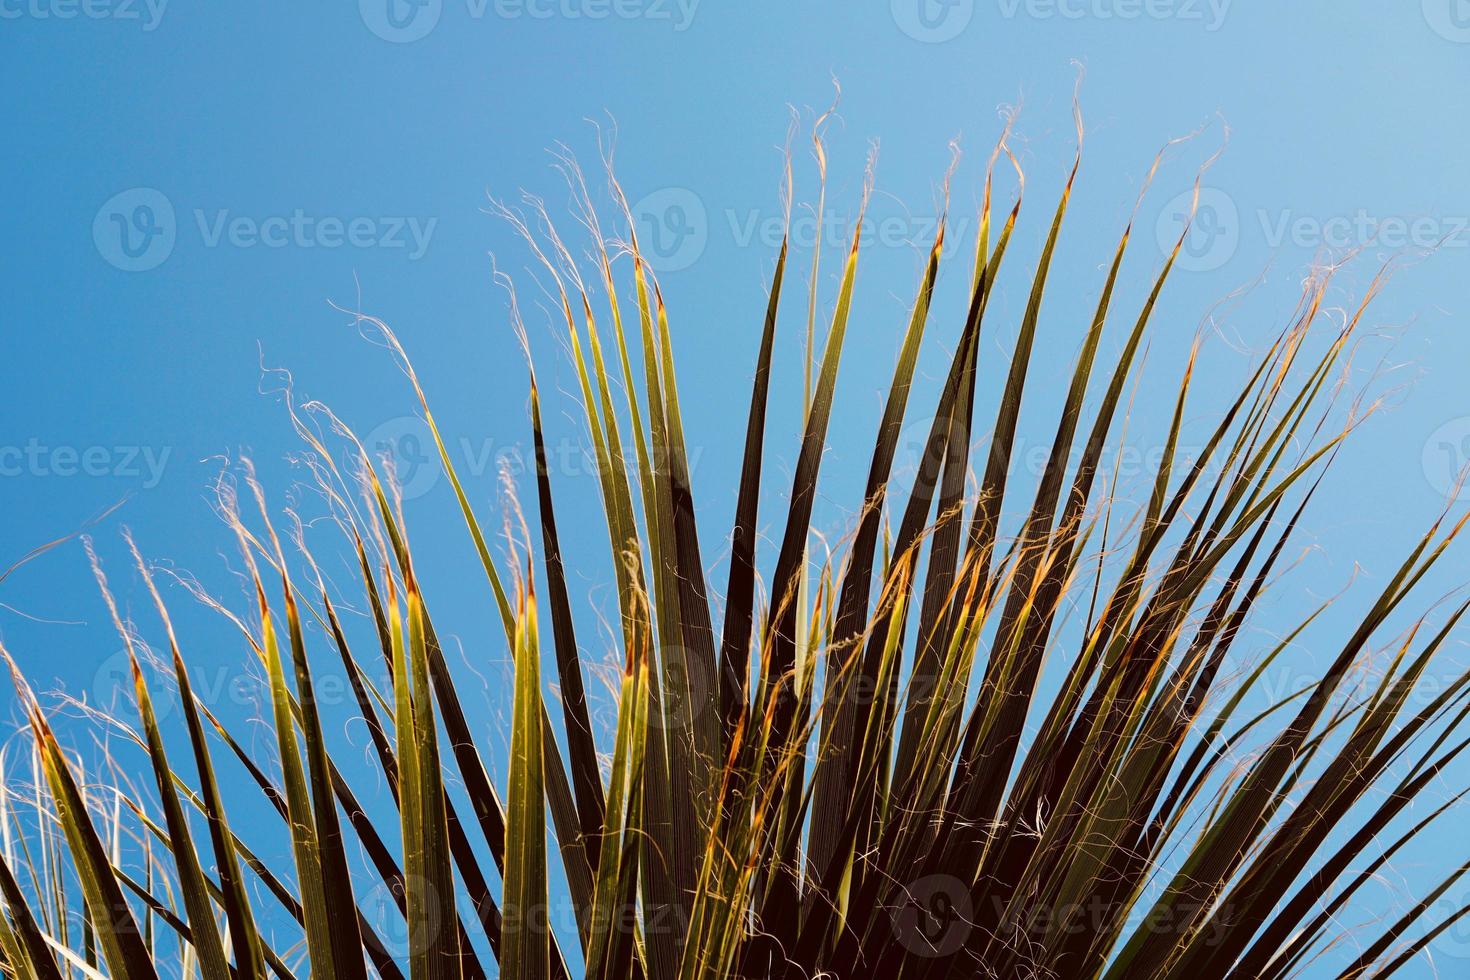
(195, 191)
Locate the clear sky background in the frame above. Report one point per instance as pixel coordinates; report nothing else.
(188, 188)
